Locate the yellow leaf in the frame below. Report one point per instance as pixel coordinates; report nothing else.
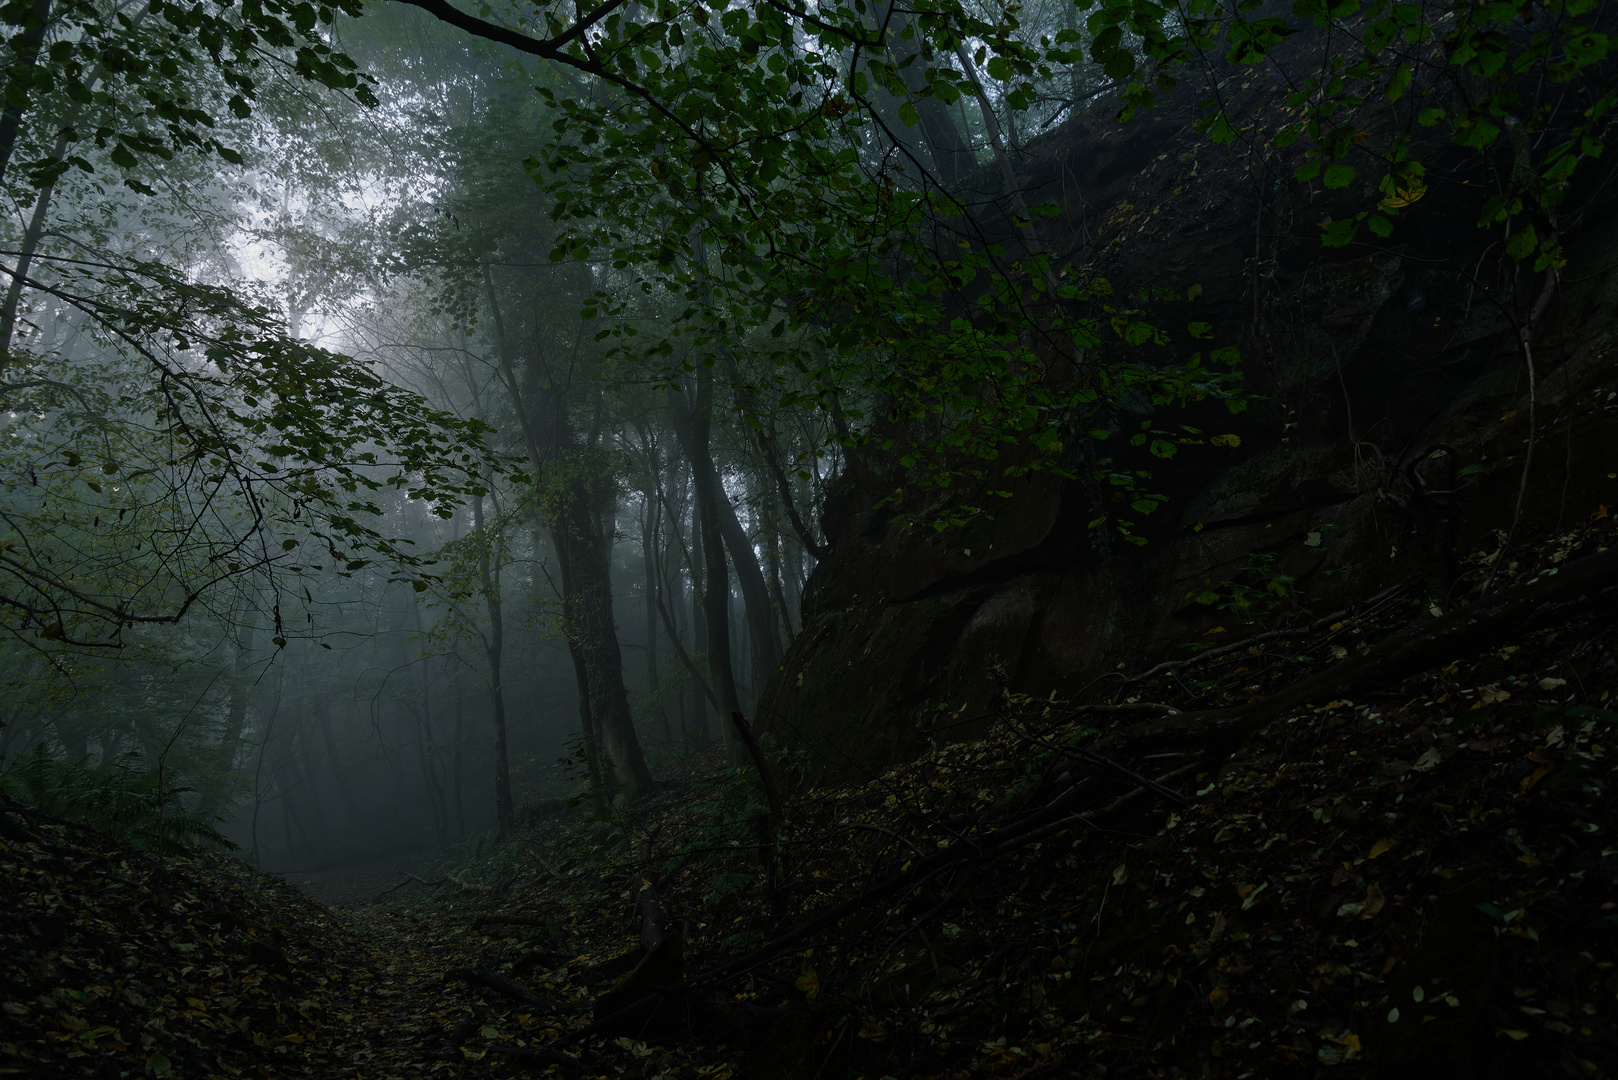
(809, 983)
(1374, 901)
(1226, 440)
(1535, 777)
(1382, 847)
(873, 1030)
(1351, 1046)
(293, 1038)
(1403, 197)
(1219, 996)
(1515, 1034)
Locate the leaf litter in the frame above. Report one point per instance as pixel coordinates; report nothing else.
(1419, 878)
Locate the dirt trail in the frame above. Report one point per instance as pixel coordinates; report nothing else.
(359, 884)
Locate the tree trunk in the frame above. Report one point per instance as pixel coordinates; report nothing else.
(772, 558)
(699, 618)
(693, 424)
(585, 557)
(763, 645)
(219, 790)
(488, 578)
(651, 514)
(573, 501)
(460, 807)
(340, 776)
(592, 756)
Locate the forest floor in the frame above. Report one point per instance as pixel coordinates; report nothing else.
(1421, 881)
(361, 884)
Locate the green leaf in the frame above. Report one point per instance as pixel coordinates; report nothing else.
(1522, 243)
(1338, 233)
(1587, 48)
(1399, 82)
(1339, 175)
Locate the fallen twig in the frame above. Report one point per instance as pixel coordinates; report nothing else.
(533, 853)
(1259, 639)
(409, 877)
(499, 984)
(469, 886)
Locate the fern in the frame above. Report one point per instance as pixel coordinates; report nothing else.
(122, 797)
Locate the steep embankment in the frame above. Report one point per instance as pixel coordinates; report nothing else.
(1384, 439)
(1416, 881)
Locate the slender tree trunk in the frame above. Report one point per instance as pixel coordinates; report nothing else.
(592, 756)
(460, 806)
(699, 618)
(772, 557)
(270, 714)
(340, 776)
(693, 423)
(25, 261)
(652, 515)
(428, 756)
(219, 790)
(763, 646)
(488, 576)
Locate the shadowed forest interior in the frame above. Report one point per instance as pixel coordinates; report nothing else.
(870, 538)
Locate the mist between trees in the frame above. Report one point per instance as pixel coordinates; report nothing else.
(326, 512)
(398, 401)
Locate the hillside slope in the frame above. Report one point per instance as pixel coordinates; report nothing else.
(1418, 881)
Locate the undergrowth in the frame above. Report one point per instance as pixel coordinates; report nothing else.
(123, 797)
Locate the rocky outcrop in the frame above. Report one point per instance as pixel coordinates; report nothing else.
(1384, 443)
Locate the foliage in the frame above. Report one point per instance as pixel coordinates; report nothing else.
(881, 298)
(1256, 592)
(124, 797)
(1470, 70)
(198, 445)
(134, 74)
(692, 174)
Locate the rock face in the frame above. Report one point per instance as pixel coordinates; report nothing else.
(1384, 443)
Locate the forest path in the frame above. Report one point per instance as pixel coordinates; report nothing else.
(361, 884)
